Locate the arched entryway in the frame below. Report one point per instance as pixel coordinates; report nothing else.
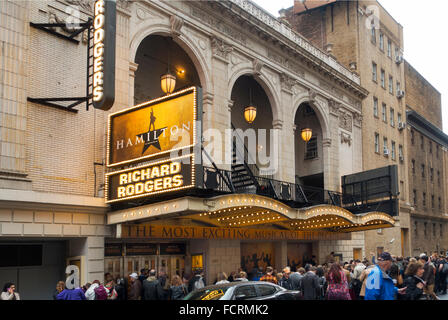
(257, 136)
(156, 55)
(309, 158)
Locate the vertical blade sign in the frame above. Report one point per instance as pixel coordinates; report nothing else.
(104, 25)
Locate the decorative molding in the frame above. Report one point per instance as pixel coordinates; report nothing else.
(286, 82)
(277, 124)
(230, 104)
(346, 138)
(86, 5)
(326, 143)
(334, 107)
(257, 65)
(221, 49)
(132, 68)
(345, 121)
(124, 4)
(357, 119)
(207, 98)
(312, 95)
(176, 25)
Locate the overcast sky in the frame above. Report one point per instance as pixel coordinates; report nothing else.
(425, 28)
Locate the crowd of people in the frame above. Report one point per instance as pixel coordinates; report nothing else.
(383, 278)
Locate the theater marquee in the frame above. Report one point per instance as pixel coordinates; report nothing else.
(153, 128)
(151, 179)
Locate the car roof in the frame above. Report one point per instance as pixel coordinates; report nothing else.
(237, 283)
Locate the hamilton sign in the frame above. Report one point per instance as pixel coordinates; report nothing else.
(153, 128)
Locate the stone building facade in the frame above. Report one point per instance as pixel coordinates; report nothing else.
(364, 37)
(52, 167)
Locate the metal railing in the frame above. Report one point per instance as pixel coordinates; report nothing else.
(295, 195)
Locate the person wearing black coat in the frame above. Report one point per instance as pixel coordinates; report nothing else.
(413, 282)
(152, 289)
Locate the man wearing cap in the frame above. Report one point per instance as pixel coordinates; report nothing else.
(136, 287)
(379, 286)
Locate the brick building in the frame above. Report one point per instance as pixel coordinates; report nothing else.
(364, 37)
(55, 156)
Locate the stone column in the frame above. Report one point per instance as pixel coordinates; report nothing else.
(91, 249)
(281, 255)
(132, 69)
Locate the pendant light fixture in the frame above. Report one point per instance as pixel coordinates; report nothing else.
(168, 80)
(250, 112)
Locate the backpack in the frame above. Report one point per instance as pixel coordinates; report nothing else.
(100, 293)
(199, 284)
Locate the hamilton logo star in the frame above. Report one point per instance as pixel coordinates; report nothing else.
(151, 137)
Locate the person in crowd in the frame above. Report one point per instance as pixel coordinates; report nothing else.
(295, 279)
(379, 285)
(301, 271)
(363, 278)
(232, 276)
(197, 281)
(120, 288)
(330, 258)
(221, 278)
(178, 290)
(285, 282)
(269, 277)
(241, 276)
(441, 275)
(414, 282)
(320, 273)
(136, 288)
(152, 288)
(110, 289)
(100, 291)
(309, 284)
(60, 286)
(394, 273)
(72, 294)
(313, 261)
(428, 276)
(356, 283)
(278, 276)
(144, 273)
(9, 292)
(108, 277)
(337, 283)
(90, 293)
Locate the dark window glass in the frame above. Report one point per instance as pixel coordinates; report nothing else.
(266, 290)
(246, 291)
(20, 255)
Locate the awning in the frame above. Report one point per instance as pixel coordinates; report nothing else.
(250, 210)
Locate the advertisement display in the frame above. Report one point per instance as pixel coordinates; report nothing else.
(153, 128)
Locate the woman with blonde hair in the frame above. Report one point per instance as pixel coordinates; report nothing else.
(221, 278)
(178, 290)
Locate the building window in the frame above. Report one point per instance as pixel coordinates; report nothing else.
(433, 204)
(389, 48)
(384, 113)
(440, 203)
(377, 143)
(422, 143)
(438, 177)
(383, 79)
(400, 153)
(374, 72)
(424, 202)
(430, 147)
(415, 227)
(423, 170)
(381, 41)
(412, 136)
(413, 166)
(398, 86)
(437, 151)
(415, 197)
(399, 118)
(391, 85)
(373, 35)
(392, 117)
(434, 230)
(441, 230)
(393, 150)
(431, 174)
(385, 147)
(375, 107)
(311, 149)
(426, 228)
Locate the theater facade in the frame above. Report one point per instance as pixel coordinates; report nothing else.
(231, 143)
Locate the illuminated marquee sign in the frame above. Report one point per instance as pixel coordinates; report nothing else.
(151, 179)
(104, 25)
(153, 128)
